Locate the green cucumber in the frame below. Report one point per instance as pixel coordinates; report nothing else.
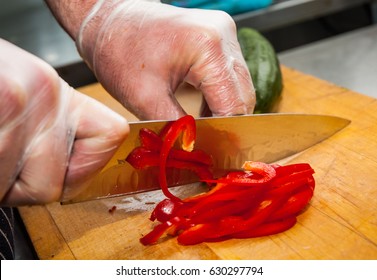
(264, 68)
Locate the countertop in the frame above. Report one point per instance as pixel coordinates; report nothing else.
(348, 60)
(339, 223)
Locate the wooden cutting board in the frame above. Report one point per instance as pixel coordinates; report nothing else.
(340, 223)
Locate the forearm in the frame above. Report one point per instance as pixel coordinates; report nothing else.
(70, 13)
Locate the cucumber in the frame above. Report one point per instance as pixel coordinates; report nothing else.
(264, 68)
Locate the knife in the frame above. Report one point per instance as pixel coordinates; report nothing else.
(229, 140)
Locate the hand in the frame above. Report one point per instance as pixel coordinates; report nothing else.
(141, 51)
(51, 136)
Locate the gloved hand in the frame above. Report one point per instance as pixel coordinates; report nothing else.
(141, 51)
(232, 7)
(51, 136)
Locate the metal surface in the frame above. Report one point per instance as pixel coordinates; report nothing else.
(348, 60)
(287, 12)
(229, 140)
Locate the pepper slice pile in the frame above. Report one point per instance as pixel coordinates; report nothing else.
(157, 150)
(262, 199)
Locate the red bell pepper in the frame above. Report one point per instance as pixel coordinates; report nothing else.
(262, 199)
(157, 150)
(185, 126)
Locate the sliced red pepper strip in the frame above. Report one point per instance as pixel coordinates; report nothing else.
(197, 156)
(218, 211)
(284, 170)
(150, 140)
(235, 227)
(229, 225)
(234, 200)
(267, 228)
(290, 187)
(226, 190)
(153, 236)
(295, 204)
(261, 200)
(185, 126)
(240, 181)
(263, 230)
(165, 210)
(214, 225)
(165, 130)
(141, 158)
(293, 176)
(265, 171)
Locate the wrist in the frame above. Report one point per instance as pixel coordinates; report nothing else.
(70, 13)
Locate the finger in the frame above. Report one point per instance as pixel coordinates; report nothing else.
(222, 75)
(98, 135)
(226, 86)
(230, 95)
(155, 100)
(42, 176)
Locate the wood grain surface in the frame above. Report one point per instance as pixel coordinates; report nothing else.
(340, 223)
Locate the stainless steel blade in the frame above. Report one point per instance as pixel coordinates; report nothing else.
(229, 140)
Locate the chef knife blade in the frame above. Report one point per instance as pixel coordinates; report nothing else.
(229, 140)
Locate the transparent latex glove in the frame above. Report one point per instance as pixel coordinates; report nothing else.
(51, 136)
(141, 51)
